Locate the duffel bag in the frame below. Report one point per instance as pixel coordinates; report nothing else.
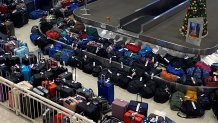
(36, 14)
(52, 34)
(135, 86)
(176, 71)
(203, 65)
(168, 76)
(161, 95)
(211, 81)
(148, 90)
(197, 72)
(176, 100)
(143, 52)
(191, 109)
(133, 47)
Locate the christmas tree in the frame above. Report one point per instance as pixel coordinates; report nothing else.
(196, 9)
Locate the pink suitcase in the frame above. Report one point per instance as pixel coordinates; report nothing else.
(10, 99)
(119, 108)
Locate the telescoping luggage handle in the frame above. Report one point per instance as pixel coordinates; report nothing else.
(74, 70)
(138, 95)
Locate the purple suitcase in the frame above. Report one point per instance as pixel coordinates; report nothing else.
(119, 107)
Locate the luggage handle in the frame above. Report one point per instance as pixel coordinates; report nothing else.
(137, 96)
(74, 70)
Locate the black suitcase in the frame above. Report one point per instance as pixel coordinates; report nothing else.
(29, 59)
(41, 91)
(29, 107)
(73, 84)
(65, 91)
(89, 110)
(58, 70)
(87, 93)
(37, 68)
(66, 76)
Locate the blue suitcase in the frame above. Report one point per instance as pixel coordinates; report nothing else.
(32, 5)
(25, 70)
(106, 90)
(21, 51)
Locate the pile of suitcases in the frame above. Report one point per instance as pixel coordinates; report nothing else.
(144, 64)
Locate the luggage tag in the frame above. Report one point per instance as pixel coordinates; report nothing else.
(193, 80)
(215, 73)
(215, 79)
(94, 64)
(153, 59)
(109, 71)
(38, 37)
(156, 64)
(131, 55)
(193, 105)
(138, 107)
(97, 50)
(140, 79)
(145, 85)
(146, 64)
(152, 76)
(166, 60)
(110, 60)
(121, 65)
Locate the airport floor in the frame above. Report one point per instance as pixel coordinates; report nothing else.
(7, 116)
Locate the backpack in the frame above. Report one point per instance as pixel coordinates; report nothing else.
(197, 72)
(203, 65)
(176, 100)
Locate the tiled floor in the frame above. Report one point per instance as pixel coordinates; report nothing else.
(88, 81)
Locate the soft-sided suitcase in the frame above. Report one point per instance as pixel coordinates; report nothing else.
(64, 91)
(211, 81)
(89, 110)
(66, 75)
(51, 86)
(140, 107)
(106, 90)
(133, 117)
(29, 59)
(119, 108)
(87, 93)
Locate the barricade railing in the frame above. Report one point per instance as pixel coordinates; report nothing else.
(34, 107)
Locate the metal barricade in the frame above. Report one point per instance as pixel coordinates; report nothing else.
(34, 107)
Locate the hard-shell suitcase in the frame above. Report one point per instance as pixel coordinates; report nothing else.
(106, 90)
(58, 118)
(21, 52)
(70, 103)
(119, 107)
(133, 117)
(25, 70)
(10, 99)
(51, 86)
(25, 85)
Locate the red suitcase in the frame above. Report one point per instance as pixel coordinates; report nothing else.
(133, 117)
(58, 118)
(119, 107)
(51, 87)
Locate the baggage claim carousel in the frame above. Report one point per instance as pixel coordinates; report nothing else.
(152, 21)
